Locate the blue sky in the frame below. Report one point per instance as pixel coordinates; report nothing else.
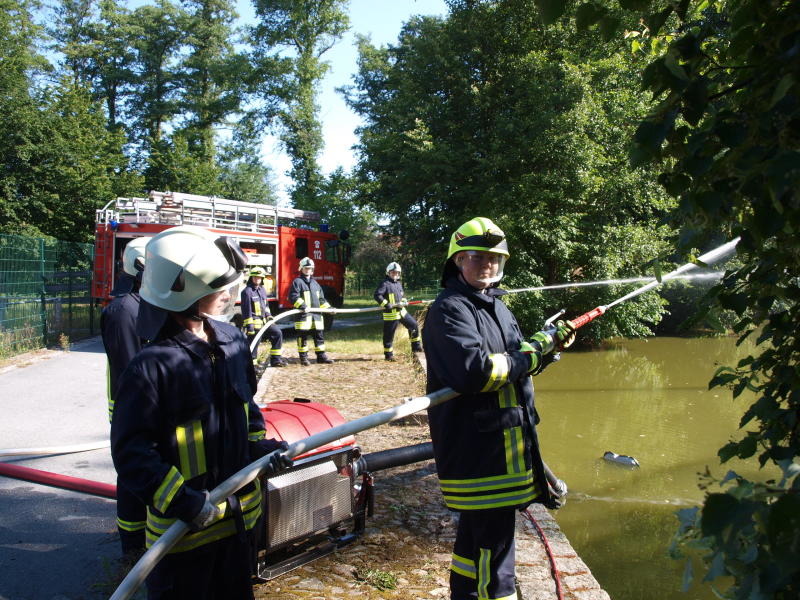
(381, 20)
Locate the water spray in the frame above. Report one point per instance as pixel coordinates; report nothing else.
(705, 259)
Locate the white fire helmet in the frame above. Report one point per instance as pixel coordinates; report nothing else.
(133, 256)
(187, 263)
(393, 266)
(305, 263)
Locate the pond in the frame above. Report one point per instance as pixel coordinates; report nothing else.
(648, 399)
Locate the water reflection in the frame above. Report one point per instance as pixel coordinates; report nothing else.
(648, 399)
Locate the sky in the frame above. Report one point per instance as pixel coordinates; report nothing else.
(381, 20)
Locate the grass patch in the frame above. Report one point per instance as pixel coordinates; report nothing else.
(381, 580)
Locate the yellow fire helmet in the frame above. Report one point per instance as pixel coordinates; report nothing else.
(477, 234)
(257, 272)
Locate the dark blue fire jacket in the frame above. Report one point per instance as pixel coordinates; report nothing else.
(390, 292)
(118, 328)
(185, 421)
(305, 291)
(255, 310)
(484, 440)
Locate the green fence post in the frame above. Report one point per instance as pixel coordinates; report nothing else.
(44, 292)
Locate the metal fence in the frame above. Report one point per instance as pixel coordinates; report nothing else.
(359, 286)
(44, 293)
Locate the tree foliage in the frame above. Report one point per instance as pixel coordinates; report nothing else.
(725, 128)
(486, 113)
(306, 29)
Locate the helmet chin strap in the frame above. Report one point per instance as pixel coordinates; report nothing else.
(193, 312)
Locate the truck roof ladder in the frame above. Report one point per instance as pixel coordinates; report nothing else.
(176, 208)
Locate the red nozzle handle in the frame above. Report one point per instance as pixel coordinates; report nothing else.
(588, 317)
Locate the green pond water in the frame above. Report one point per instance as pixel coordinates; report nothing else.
(648, 399)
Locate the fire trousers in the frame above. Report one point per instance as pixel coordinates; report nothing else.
(390, 327)
(482, 567)
(275, 337)
(131, 518)
(220, 570)
(316, 335)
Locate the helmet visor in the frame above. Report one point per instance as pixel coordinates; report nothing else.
(487, 267)
(221, 305)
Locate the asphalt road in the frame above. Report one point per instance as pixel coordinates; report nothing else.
(56, 544)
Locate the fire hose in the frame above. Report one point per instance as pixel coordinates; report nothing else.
(174, 533)
(681, 272)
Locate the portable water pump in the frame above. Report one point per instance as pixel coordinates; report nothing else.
(320, 503)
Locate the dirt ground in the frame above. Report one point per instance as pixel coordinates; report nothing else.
(408, 541)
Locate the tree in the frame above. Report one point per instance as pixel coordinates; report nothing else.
(157, 39)
(484, 113)
(308, 29)
(67, 164)
(212, 73)
(725, 130)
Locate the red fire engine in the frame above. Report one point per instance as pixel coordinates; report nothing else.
(277, 248)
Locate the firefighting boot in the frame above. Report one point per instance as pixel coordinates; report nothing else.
(323, 358)
(389, 356)
(304, 359)
(276, 361)
(416, 346)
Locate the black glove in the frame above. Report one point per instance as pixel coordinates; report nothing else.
(207, 515)
(304, 309)
(277, 461)
(251, 329)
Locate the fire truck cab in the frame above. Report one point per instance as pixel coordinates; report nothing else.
(257, 227)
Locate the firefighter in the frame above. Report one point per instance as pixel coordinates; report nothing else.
(121, 343)
(255, 312)
(389, 294)
(306, 293)
(485, 445)
(185, 419)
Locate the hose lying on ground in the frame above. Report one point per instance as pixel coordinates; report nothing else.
(48, 450)
(95, 488)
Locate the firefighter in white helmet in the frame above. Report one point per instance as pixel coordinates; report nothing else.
(389, 294)
(122, 343)
(255, 313)
(185, 419)
(484, 442)
(306, 293)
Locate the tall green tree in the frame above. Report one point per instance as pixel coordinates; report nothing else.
(212, 73)
(485, 113)
(67, 164)
(306, 29)
(725, 130)
(96, 41)
(157, 39)
(20, 62)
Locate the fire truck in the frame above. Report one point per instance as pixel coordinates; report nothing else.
(257, 227)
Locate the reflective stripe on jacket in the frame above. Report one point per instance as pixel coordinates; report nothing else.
(255, 310)
(305, 291)
(390, 292)
(185, 421)
(485, 446)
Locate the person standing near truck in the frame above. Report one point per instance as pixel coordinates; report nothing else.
(255, 312)
(306, 293)
(185, 419)
(122, 343)
(389, 294)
